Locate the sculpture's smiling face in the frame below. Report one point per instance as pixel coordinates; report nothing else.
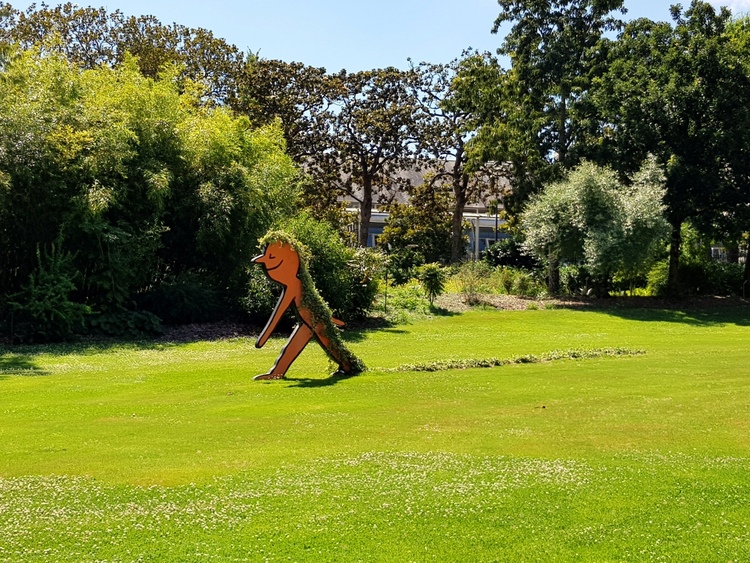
(280, 261)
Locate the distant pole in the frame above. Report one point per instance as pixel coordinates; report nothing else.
(494, 208)
(387, 262)
(476, 237)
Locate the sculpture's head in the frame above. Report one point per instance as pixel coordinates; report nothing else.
(280, 260)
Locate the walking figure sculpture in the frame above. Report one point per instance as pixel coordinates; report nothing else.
(284, 260)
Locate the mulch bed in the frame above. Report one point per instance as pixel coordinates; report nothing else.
(455, 302)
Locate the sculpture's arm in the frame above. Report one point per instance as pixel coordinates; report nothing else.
(286, 299)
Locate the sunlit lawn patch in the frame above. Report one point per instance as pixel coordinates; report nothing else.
(171, 452)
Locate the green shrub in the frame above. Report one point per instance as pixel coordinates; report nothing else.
(432, 276)
(658, 278)
(524, 286)
(43, 311)
(472, 280)
(365, 267)
(502, 280)
(125, 324)
(185, 298)
(724, 278)
(403, 264)
(409, 296)
(575, 280)
(698, 277)
(508, 252)
(517, 281)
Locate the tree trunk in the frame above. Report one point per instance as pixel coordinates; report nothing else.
(457, 220)
(562, 144)
(746, 274)
(553, 276)
(675, 247)
(365, 211)
(733, 252)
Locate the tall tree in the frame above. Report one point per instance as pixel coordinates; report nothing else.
(531, 116)
(90, 37)
(681, 93)
(735, 223)
(447, 124)
(300, 98)
(294, 93)
(369, 139)
(553, 46)
(502, 140)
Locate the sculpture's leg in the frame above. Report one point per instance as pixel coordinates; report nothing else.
(294, 346)
(320, 332)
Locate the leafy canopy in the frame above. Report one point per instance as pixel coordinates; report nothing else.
(591, 218)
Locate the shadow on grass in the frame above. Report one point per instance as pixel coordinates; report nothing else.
(307, 383)
(703, 312)
(442, 312)
(173, 336)
(694, 318)
(355, 331)
(18, 364)
(361, 334)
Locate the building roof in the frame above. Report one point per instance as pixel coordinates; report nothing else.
(490, 186)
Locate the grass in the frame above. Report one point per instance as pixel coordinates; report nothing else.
(171, 453)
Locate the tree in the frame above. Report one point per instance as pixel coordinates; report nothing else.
(681, 93)
(531, 117)
(133, 179)
(734, 224)
(91, 37)
(592, 219)
(300, 97)
(554, 51)
(504, 142)
(446, 126)
(353, 134)
(369, 139)
(423, 225)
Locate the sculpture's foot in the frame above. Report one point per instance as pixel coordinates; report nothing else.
(267, 376)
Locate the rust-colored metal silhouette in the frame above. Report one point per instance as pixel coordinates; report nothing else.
(283, 265)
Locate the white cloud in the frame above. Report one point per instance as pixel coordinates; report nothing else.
(737, 6)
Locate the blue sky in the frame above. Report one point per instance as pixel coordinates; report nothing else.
(352, 34)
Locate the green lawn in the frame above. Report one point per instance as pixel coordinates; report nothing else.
(164, 452)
